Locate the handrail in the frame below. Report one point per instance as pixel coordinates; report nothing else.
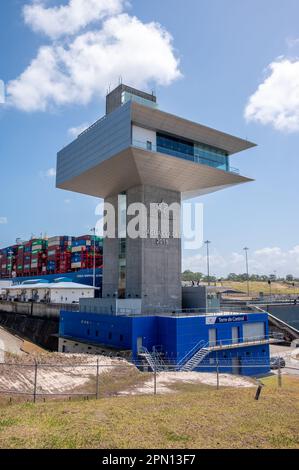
(185, 358)
(224, 343)
(196, 159)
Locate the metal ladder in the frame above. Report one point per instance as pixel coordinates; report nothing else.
(195, 360)
(153, 359)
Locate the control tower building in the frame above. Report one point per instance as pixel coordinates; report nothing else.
(149, 156)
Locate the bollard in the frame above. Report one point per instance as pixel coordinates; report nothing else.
(258, 391)
(155, 380)
(279, 374)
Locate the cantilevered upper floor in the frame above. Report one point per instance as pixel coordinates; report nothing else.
(137, 144)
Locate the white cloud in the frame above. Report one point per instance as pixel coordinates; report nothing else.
(75, 131)
(68, 19)
(266, 260)
(50, 173)
(3, 220)
(81, 68)
(276, 100)
(67, 201)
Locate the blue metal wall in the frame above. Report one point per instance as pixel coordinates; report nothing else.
(112, 331)
(176, 335)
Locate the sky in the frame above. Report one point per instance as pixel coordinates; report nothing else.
(230, 65)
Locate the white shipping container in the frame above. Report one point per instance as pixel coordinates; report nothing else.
(78, 249)
(51, 252)
(36, 247)
(76, 265)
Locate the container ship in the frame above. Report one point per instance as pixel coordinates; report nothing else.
(54, 258)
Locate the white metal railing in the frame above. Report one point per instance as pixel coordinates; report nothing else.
(228, 344)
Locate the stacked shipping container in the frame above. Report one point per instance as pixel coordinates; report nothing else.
(7, 261)
(85, 251)
(60, 254)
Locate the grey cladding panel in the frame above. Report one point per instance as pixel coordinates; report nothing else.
(107, 138)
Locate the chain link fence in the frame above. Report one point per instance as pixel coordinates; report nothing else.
(101, 377)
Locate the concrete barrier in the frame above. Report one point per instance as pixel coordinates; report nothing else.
(32, 309)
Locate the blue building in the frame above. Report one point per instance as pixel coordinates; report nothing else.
(238, 342)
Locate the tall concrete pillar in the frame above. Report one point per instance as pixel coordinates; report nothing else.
(153, 263)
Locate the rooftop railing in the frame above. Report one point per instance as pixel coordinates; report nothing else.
(150, 147)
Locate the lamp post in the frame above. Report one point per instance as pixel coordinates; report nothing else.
(207, 243)
(270, 287)
(246, 249)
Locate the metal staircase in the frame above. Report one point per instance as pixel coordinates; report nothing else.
(153, 359)
(195, 360)
(194, 357)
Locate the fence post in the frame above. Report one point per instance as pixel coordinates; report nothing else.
(279, 373)
(217, 370)
(35, 380)
(155, 380)
(97, 380)
(258, 391)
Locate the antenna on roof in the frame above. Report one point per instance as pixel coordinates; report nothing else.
(120, 80)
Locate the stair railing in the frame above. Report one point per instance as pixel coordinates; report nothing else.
(192, 353)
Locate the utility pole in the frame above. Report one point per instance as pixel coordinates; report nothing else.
(207, 242)
(270, 287)
(246, 249)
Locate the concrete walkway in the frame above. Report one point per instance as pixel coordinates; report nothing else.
(289, 354)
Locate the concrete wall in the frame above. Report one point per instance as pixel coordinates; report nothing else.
(41, 331)
(142, 135)
(32, 309)
(111, 257)
(154, 264)
(110, 306)
(287, 313)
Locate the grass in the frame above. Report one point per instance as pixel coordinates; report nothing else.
(196, 417)
(256, 287)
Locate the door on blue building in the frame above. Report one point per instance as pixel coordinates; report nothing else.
(236, 365)
(212, 337)
(139, 343)
(235, 334)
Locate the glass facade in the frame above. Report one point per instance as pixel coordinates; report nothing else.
(195, 152)
(126, 96)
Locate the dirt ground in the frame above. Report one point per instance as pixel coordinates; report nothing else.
(60, 374)
(166, 380)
